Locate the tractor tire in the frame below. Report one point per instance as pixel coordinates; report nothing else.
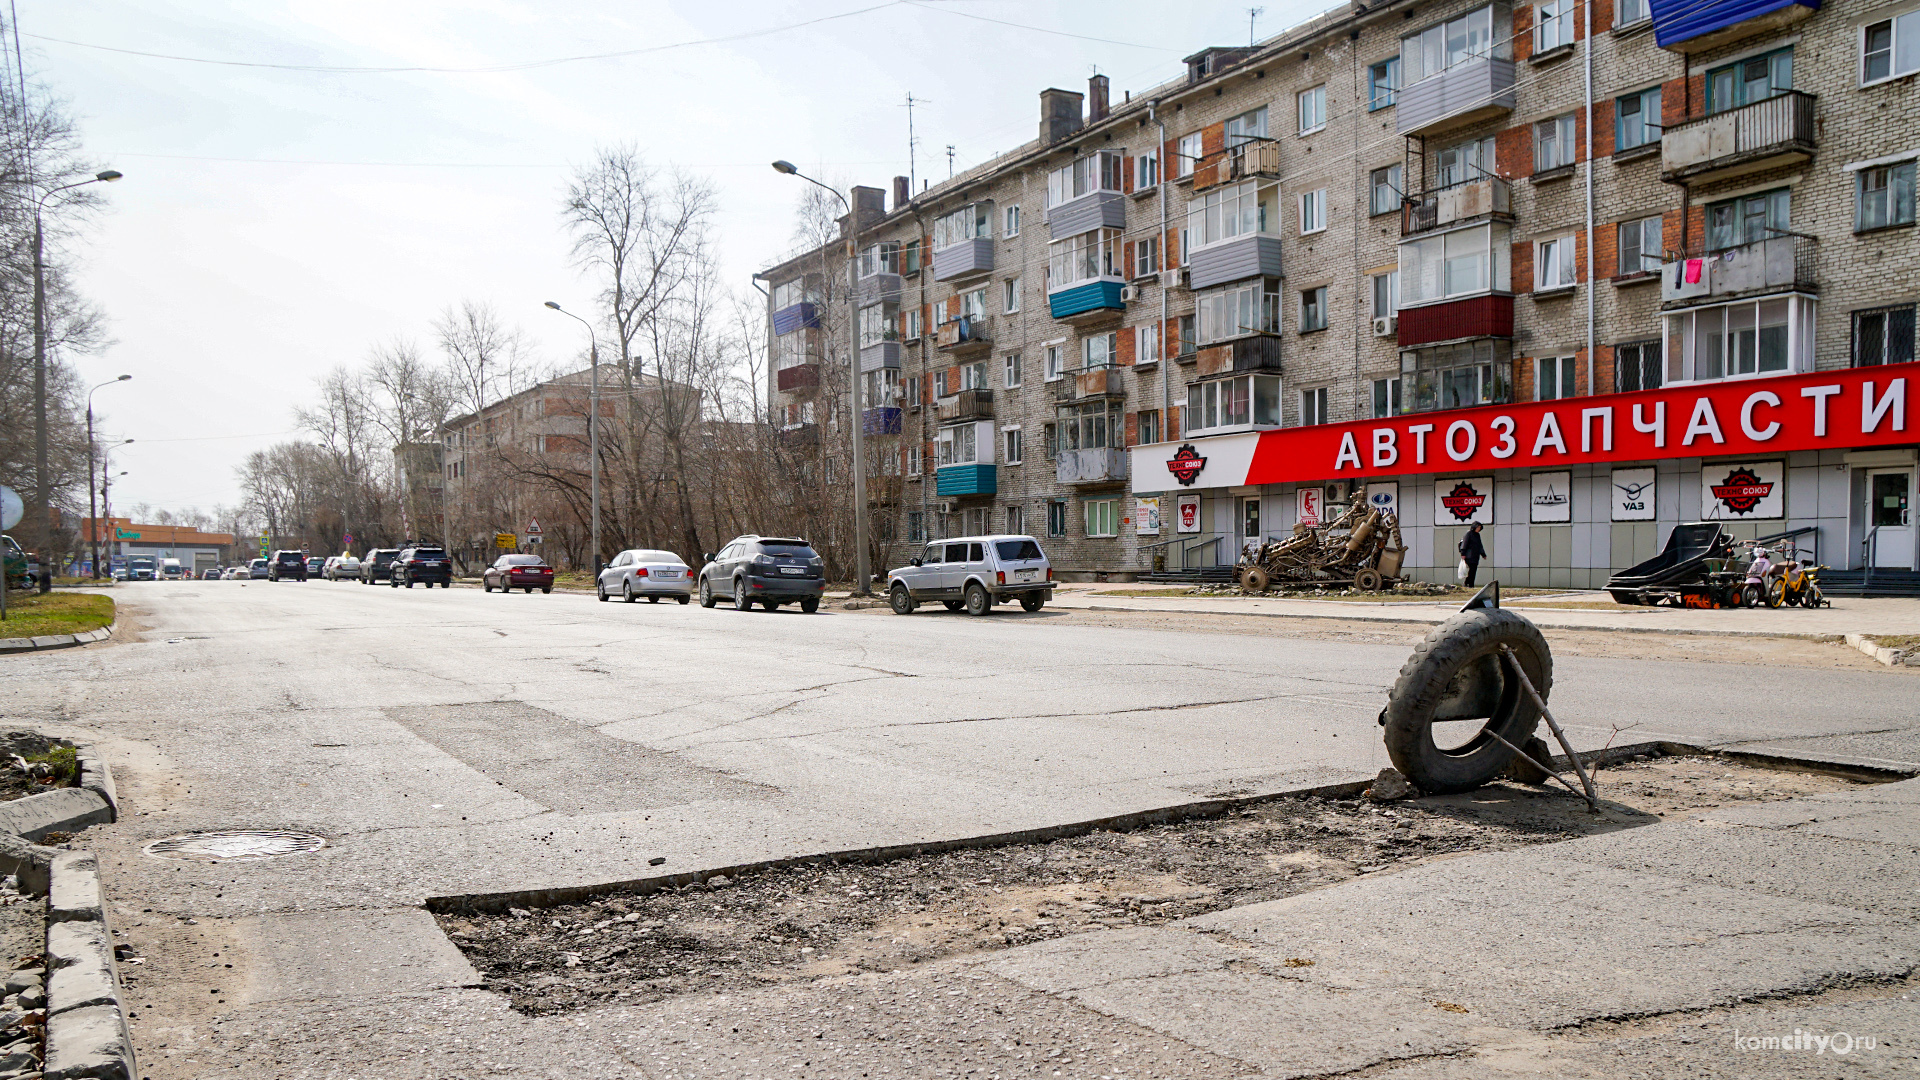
(1367, 580)
(1452, 654)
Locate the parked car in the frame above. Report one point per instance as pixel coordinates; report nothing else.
(427, 566)
(764, 570)
(378, 565)
(210, 574)
(315, 564)
(341, 566)
(258, 569)
(234, 573)
(647, 572)
(510, 572)
(287, 566)
(974, 572)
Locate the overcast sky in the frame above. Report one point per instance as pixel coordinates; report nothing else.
(275, 223)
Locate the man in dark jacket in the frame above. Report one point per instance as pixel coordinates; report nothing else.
(1472, 551)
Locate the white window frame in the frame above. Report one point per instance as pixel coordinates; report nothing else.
(1460, 262)
(1095, 255)
(1386, 397)
(913, 453)
(973, 221)
(1313, 212)
(1894, 24)
(1433, 47)
(1010, 296)
(1016, 520)
(1387, 178)
(1190, 149)
(1623, 17)
(1010, 370)
(1146, 344)
(1557, 372)
(1011, 226)
(1682, 328)
(1889, 192)
(1055, 360)
(1314, 300)
(1090, 174)
(880, 258)
(1011, 446)
(1312, 104)
(1106, 355)
(1561, 270)
(974, 376)
(1313, 406)
(1647, 108)
(912, 328)
(1250, 307)
(1638, 229)
(955, 440)
(874, 325)
(1388, 282)
(1146, 256)
(1250, 402)
(1102, 518)
(1561, 139)
(1233, 211)
(1146, 169)
(1552, 25)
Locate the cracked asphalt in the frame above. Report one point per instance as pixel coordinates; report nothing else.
(452, 742)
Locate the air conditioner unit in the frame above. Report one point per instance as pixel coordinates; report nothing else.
(1386, 326)
(1129, 293)
(944, 506)
(1172, 279)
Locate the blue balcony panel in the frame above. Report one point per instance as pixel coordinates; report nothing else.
(1702, 26)
(954, 480)
(1080, 299)
(881, 422)
(801, 316)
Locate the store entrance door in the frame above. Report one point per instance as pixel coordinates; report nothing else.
(1890, 515)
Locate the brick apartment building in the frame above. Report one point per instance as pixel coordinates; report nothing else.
(1577, 272)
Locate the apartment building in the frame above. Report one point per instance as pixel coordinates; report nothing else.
(1573, 272)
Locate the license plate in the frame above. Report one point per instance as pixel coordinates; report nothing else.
(1026, 575)
(793, 569)
(667, 574)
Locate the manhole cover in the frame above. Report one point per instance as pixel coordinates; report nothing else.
(238, 844)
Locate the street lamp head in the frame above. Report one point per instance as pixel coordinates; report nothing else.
(123, 378)
(108, 176)
(785, 167)
(554, 305)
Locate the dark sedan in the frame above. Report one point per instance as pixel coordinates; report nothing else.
(510, 572)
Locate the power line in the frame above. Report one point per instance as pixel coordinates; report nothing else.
(447, 164)
(1036, 29)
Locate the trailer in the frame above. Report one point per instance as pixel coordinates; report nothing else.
(1692, 571)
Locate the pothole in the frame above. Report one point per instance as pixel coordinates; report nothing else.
(236, 845)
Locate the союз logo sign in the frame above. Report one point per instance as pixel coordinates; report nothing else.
(1741, 491)
(1463, 501)
(1185, 465)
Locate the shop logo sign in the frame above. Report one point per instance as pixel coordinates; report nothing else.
(1185, 465)
(1742, 490)
(1463, 501)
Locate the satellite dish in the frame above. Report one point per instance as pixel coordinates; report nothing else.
(12, 509)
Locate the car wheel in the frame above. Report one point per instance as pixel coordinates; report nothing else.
(653, 599)
(978, 602)
(600, 590)
(485, 585)
(683, 601)
(900, 600)
(626, 591)
(952, 605)
(547, 591)
(1032, 603)
(706, 593)
(741, 601)
(529, 590)
(770, 605)
(810, 605)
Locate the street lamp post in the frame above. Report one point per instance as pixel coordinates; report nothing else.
(106, 499)
(593, 426)
(93, 515)
(41, 499)
(861, 576)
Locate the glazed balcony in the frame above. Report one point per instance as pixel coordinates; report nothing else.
(883, 421)
(1691, 26)
(957, 480)
(968, 258)
(1776, 264)
(1488, 316)
(1103, 465)
(1258, 353)
(1766, 134)
(1092, 383)
(1486, 198)
(1472, 90)
(801, 316)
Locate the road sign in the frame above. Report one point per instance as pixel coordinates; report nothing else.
(505, 540)
(531, 540)
(346, 538)
(533, 527)
(12, 509)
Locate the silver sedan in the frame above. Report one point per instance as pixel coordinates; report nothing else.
(647, 572)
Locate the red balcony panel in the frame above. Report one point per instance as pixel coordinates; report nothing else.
(1477, 316)
(798, 377)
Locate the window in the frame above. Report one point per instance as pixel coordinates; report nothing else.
(1746, 81)
(1094, 425)
(1249, 126)
(910, 257)
(1010, 372)
(1012, 227)
(1553, 266)
(1099, 351)
(879, 390)
(1313, 211)
(1057, 517)
(1470, 160)
(1188, 154)
(1883, 196)
(940, 387)
(911, 456)
(1883, 336)
(1636, 120)
(1313, 110)
(1313, 309)
(1640, 250)
(1636, 366)
(1186, 247)
(1441, 46)
(1055, 363)
(913, 390)
(1748, 219)
(1010, 295)
(1386, 398)
(1553, 143)
(881, 258)
(875, 325)
(1628, 12)
(974, 376)
(1251, 307)
(1103, 517)
(1146, 257)
(911, 325)
(790, 350)
(1386, 191)
(1016, 525)
(916, 527)
(788, 293)
(1086, 257)
(973, 303)
(1748, 338)
(1010, 445)
(1147, 427)
(1146, 169)
(1050, 438)
(1458, 263)
(1552, 377)
(1146, 344)
(1386, 294)
(959, 445)
(1890, 47)
(1189, 340)
(1240, 402)
(1554, 26)
(971, 222)
(1313, 407)
(1455, 376)
(1383, 79)
(1233, 211)
(1090, 174)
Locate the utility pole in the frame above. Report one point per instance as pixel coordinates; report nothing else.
(1252, 14)
(913, 144)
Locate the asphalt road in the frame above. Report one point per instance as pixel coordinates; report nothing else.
(448, 742)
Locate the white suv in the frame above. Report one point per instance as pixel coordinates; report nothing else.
(975, 572)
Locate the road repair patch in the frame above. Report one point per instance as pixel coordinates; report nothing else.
(819, 920)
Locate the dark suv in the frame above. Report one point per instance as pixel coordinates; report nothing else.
(287, 566)
(378, 565)
(764, 570)
(428, 566)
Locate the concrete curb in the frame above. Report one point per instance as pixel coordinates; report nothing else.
(65, 810)
(1889, 657)
(56, 641)
(87, 1037)
(1360, 617)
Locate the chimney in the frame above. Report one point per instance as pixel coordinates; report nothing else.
(870, 203)
(902, 191)
(1096, 99)
(1059, 114)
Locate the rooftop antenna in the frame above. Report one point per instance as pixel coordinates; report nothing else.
(1252, 14)
(949, 161)
(912, 142)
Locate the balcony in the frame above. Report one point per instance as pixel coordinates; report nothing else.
(880, 354)
(969, 335)
(966, 259)
(965, 405)
(1489, 197)
(1776, 264)
(884, 421)
(1238, 259)
(1092, 383)
(1469, 91)
(1245, 162)
(796, 378)
(1095, 210)
(880, 288)
(1690, 26)
(1089, 302)
(799, 435)
(1103, 465)
(1764, 135)
(1455, 320)
(956, 480)
(801, 316)
(1259, 353)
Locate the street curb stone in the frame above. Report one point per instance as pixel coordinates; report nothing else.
(74, 894)
(59, 810)
(87, 1037)
(57, 641)
(89, 1044)
(79, 966)
(1889, 657)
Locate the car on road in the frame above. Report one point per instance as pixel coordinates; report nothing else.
(142, 568)
(378, 565)
(258, 569)
(648, 572)
(510, 572)
(287, 566)
(764, 570)
(341, 566)
(234, 573)
(975, 573)
(315, 564)
(210, 575)
(427, 566)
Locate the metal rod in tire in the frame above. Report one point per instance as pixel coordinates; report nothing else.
(1552, 724)
(1524, 756)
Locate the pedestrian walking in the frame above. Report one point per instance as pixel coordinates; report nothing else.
(1472, 551)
